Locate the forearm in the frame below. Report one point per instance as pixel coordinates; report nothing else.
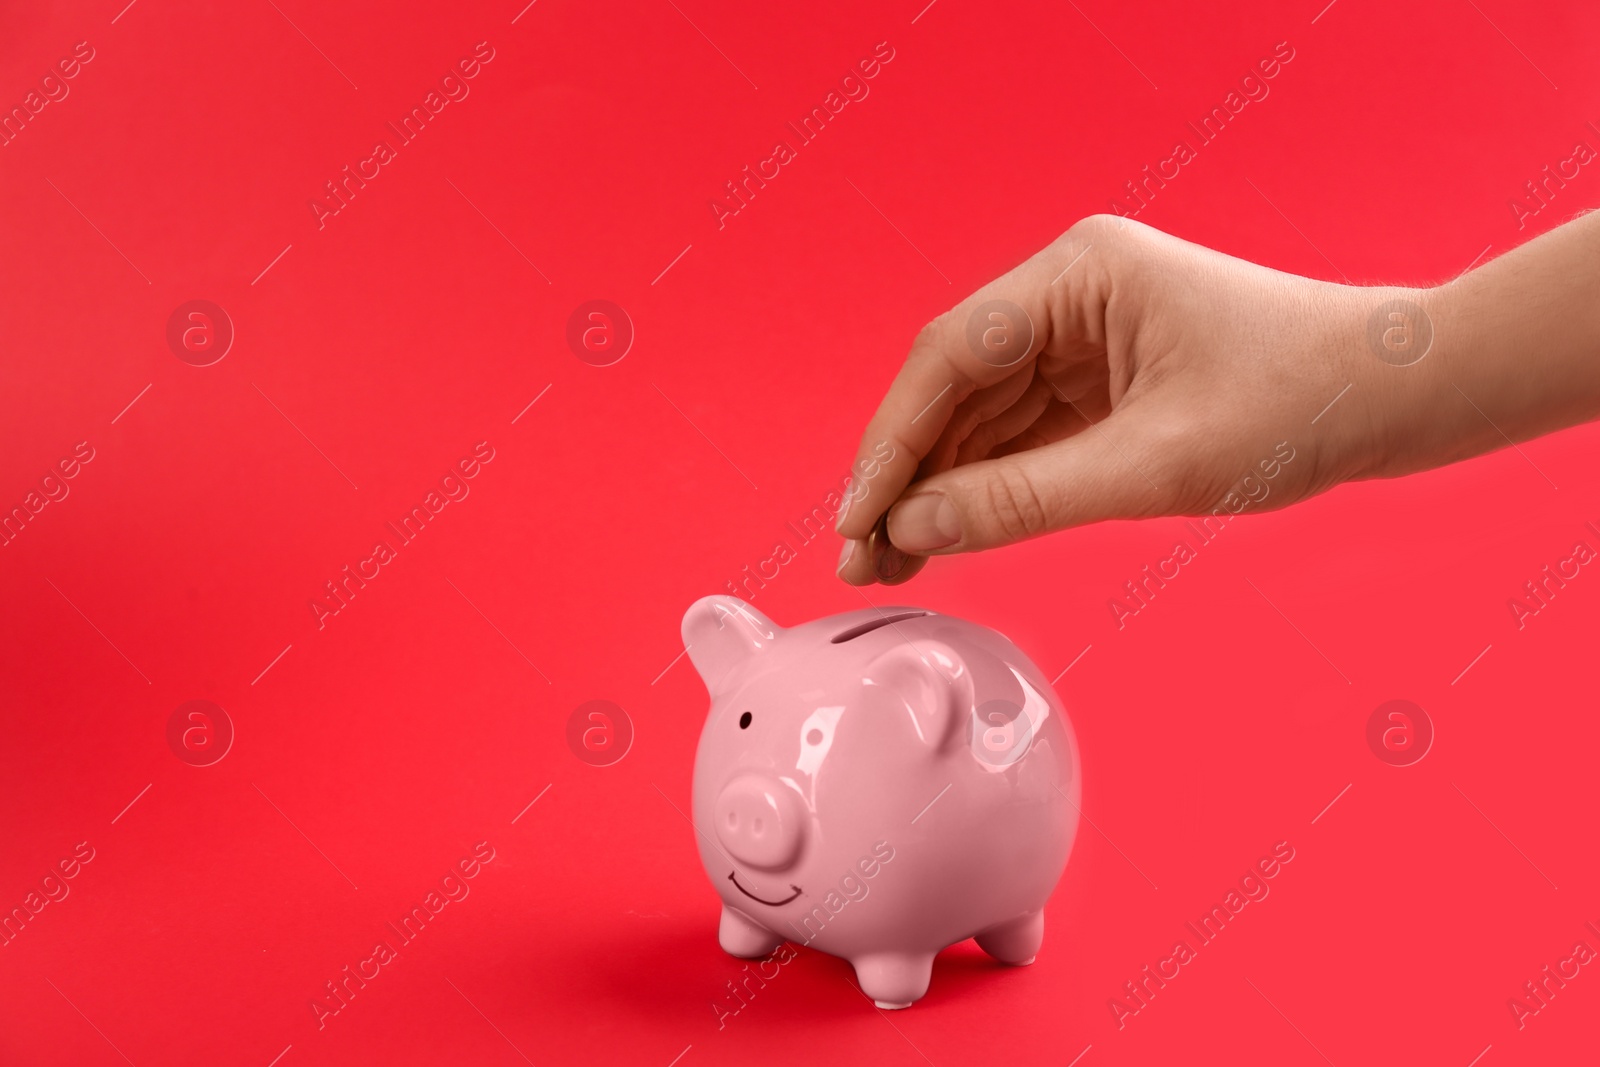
(1515, 354)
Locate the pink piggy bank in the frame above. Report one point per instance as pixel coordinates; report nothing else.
(878, 785)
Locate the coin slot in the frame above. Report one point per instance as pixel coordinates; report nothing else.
(873, 624)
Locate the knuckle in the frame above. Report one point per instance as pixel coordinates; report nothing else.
(1015, 504)
(930, 339)
(1095, 228)
(1104, 231)
(927, 336)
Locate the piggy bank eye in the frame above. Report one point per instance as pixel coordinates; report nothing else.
(744, 721)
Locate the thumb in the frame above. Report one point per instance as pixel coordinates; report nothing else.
(1095, 475)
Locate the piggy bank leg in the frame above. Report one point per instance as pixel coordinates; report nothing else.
(740, 937)
(894, 980)
(1016, 942)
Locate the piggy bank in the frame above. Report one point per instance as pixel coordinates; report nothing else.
(878, 785)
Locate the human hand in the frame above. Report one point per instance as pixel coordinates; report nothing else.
(1123, 373)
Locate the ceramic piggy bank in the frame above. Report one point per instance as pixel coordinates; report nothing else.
(878, 785)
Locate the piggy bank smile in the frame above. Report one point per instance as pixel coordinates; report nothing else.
(878, 785)
(733, 876)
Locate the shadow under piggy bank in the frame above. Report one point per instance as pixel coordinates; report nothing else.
(878, 785)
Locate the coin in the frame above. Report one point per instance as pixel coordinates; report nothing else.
(890, 565)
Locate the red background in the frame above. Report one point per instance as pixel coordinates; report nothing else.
(415, 723)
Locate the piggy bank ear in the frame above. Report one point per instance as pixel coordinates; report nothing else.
(721, 632)
(931, 683)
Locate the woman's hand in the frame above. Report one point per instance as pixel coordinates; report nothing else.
(1123, 373)
(1120, 373)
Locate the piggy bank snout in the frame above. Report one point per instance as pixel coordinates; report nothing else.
(760, 821)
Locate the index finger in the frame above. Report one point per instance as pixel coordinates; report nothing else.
(989, 336)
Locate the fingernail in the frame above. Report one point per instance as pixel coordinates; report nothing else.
(844, 557)
(844, 509)
(925, 522)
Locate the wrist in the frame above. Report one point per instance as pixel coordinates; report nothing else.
(1388, 348)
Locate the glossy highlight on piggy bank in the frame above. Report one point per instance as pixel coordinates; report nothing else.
(878, 785)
